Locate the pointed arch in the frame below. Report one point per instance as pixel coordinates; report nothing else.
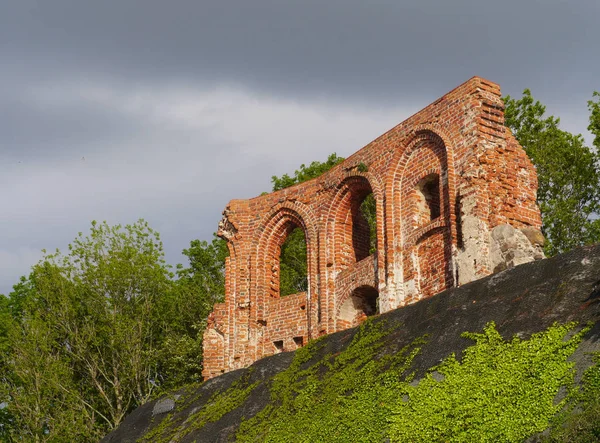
(426, 162)
(265, 299)
(344, 231)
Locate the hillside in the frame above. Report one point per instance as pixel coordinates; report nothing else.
(376, 383)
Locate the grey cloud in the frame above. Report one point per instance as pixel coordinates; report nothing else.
(185, 153)
(343, 49)
(161, 139)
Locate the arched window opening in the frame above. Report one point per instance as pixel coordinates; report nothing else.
(428, 199)
(364, 226)
(354, 223)
(368, 300)
(362, 303)
(368, 209)
(293, 269)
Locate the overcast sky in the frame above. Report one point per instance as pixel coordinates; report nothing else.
(165, 110)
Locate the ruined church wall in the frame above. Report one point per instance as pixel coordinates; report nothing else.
(483, 179)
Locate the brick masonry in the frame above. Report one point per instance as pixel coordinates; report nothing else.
(443, 180)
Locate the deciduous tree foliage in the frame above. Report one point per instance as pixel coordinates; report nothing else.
(293, 273)
(594, 126)
(94, 333)
(568, 172)
(305, 173)
(194, 293)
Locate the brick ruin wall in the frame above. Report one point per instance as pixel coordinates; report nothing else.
(455, 201)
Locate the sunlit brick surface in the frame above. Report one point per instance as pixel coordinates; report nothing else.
(442, 180)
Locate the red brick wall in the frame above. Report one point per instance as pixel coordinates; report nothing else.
(286, 319)
(485, 179)
(357, 275)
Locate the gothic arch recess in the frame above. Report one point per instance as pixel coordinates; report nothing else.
(346, 225)
(269, 315)
(272, 234)
(424, 230)
(348, 254)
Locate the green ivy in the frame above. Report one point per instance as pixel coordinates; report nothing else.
(339, 398)
(499, 391)
(580, 420)
(502, 391)
(216, 407)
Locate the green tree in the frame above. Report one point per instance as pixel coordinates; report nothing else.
(87, 333)
(183, 312)
(594, 126)
(293, 276)
(368, 209)
(206, 269)
(305, 173)
(92, 334)
(568, 172)
(6, 325)
(43, 399)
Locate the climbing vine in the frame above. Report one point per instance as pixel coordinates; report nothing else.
(501, 391)
(580, 420)
(222, 402)
(340, 398)
(498, 391)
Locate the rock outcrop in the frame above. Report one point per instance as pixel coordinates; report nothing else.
(523, 300)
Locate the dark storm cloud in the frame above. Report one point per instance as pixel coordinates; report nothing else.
(352, 49)
(120, 109)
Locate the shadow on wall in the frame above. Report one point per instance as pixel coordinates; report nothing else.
(362, 303)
